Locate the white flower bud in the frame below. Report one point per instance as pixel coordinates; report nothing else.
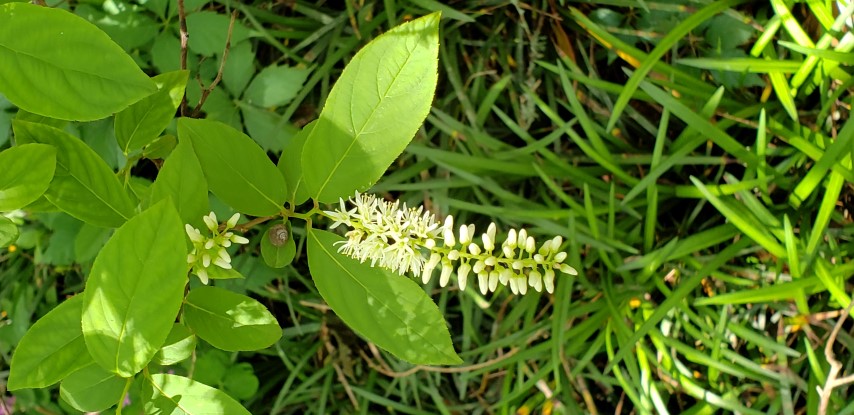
(209, 244)
(427, 272)
(191, 258)
(482, 281)
(530, 245)
(232, 221)
(514, 286)
(522, 239)
(538, 258)
(446, 273)
(222, 264)
(560, 256)
(211, 222)
(517, 265)
(491, 261)
(523, 286)
(454, 255)
(535, 280)
(508, 251)
(462, 275)
(206, 260)
(549, 281)
(557, 241)
(511, 239)
(448, 231)
(194, 234)
(493, 280)
(430, 244)
(488, 244)
(474, 249)
(504, 275)
(238, 239)
(478, 266)
(566, 269)
(203, 276)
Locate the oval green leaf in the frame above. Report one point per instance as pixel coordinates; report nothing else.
(92, 389)
(230, 321)
(83, 185)
(177, 395)
(182, 180)
(278, 256)
(373, 111)
(392, 311)
(26, 174)
(52, 349)
(68, 68)
(141, 123)
(237, 170)
(134, 291)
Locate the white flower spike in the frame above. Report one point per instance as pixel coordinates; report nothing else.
(404, 239)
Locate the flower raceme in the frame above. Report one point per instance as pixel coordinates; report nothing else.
(404, 239)
(209, 251)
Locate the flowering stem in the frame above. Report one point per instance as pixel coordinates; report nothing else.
(254, 222)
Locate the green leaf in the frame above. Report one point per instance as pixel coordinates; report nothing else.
(240, 381)
(267, 127)
(290, 164)
(92, 389)
(134, 290)
(68, 68)
(177, 395)
(239, 68)
(280, 253)
(275, 86)
(52, 349)
(387, 309)
(26, 173)
(181, 179)
(141, 123)
(8, 231)
(178, 347)
(83, 185)
(373, 111)
(237, 170)
(208, 32)
(230, 321)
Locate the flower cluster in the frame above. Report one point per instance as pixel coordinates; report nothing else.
(211, 250)
(406, 239)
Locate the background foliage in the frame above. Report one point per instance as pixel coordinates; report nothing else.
(697, 157)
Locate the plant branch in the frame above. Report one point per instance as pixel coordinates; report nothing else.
(207, 91)
(182, 22)
(835, 365)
